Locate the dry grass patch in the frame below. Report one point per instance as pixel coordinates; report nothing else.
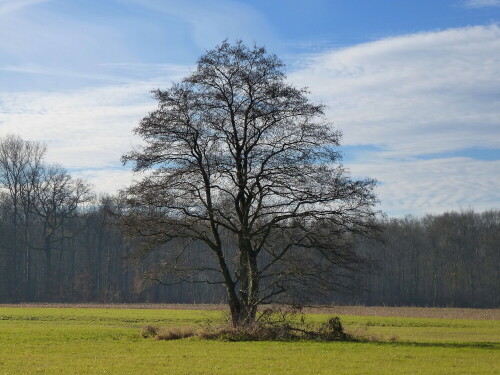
(361, 333)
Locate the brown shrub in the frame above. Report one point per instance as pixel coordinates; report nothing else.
(149, 331)
(176, 333)
(253, 332)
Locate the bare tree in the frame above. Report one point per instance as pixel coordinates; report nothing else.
(57, 197)
(20, 163)
(241, 161)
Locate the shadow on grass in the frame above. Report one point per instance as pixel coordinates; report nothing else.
(454, 345)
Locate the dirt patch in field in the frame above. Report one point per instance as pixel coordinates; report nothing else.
(410, 312)
(163, 306)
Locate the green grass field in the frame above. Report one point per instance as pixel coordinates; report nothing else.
(107, 341)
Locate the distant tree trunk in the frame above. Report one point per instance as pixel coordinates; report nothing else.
(48, 269)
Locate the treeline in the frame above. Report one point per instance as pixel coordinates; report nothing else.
(452, 259)
(59, 243)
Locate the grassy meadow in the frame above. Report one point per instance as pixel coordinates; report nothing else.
(69, 340)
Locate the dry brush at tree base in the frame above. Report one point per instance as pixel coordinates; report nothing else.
(331, 330)
(272, 324)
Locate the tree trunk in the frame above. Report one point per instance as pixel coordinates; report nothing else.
(249, 285)
(48, 270)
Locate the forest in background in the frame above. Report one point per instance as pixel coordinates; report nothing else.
(59, 243)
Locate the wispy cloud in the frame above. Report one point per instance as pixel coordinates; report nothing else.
(212, 21)
(32, 69)
(84, 42)
(61, 41)
(110, 72)
(481, 3)
(433, 186)
(8, 6)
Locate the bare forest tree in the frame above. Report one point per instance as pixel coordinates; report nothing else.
(241, 161)
(57, 196)
(20, 165)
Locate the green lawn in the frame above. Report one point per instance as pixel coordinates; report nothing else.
(107, 341)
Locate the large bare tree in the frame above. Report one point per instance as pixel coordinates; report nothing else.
(238, 163)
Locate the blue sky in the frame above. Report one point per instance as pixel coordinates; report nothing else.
(413, 85)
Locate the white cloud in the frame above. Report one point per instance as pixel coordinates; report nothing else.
(481, 3)
(416, 94)
(108, 181)
(89, 128)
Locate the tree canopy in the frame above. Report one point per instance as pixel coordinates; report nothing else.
(241, 161)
